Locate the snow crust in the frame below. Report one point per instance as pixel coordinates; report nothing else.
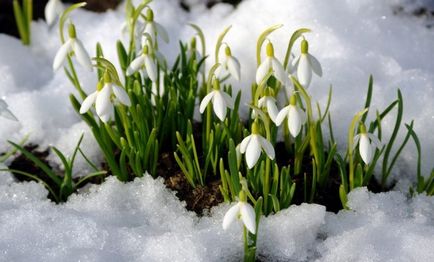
(144, 221)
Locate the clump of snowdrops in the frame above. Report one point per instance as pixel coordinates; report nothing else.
(144, 108)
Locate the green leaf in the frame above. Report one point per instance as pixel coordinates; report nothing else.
(47, 170)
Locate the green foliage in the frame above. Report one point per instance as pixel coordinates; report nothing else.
(23, 18)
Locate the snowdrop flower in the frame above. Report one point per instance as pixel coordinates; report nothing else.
(252, 146)
(143, 60)
(295, 116)
(153, 28)
(243, 211)
(231, 64)
(102, 98)
(220, 101)
(305, 64)
(157, 90)
(367, 144)
(5, 112)
(271, 63)
(52, 10)
(269, 102)
(73, 44)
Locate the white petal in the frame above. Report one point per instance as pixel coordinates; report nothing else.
(88, 102)
(268, 148)
(150, 29)
(230, 216)
(316, 66)
(234, 68)
(228, 99)
(82, 55)
(150, 68)
(272, 109)
(50, 12)
(6, 113)
(248, 216)
(162, 32)
(244, 144)
(279, 72)
(122, 95)
(263, 70)
(294, 121)
(205, 101)
(135, 65)
(60, 57)
(219, 105)
(253, 151)
(108, 115)
(304, 71)
(365, 149)
(103, 102)
(282, 115)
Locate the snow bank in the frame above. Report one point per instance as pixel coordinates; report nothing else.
(144, 221)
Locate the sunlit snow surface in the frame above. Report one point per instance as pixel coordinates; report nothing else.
(142, 221)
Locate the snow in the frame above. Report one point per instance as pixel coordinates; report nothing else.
(138, 221)
(144, 221)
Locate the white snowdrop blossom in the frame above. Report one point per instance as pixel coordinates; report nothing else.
(270, 63)
(231, 64)
(220, 101)
(367, 144)
(269, 103)
(5, 112)
(294, 115)
(144, 60)
(74, 45)
(243, 211)
(52, 10)
(306, 64)
(153, 28)
(252, 146)
(158, 90)
(103, 99)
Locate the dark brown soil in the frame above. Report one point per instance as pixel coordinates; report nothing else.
(199, 199)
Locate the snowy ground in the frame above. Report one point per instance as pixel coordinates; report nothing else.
(142, 221)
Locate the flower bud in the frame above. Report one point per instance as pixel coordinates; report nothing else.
(304, 47)
(270, 49)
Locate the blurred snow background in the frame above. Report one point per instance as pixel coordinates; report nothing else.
(140, 220)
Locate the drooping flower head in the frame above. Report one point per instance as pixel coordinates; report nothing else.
(269, 103)
(221, 101)
(306, 64)
(367, 144)
(230, 64)
(294, 115)
(253, 145)
(242, 211)
(53, 9)
(72, 46)
(144, 61)
(270, 63)
(153, 28)
(107, 93)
